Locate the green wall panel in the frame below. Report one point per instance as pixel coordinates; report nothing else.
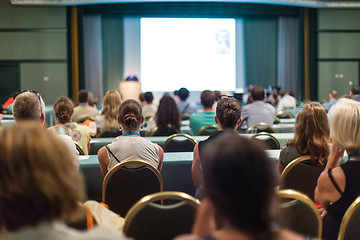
(31, 17)
(32, 45)
(339, 45)
(339, 19)
(49, 79)
(337, 76)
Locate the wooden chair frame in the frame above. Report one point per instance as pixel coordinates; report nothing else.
(132, 163)
(288, 193)
(347, 216)
(206, 127)
(156, 197)
(179, 135)
(260, 124)
(268, 135)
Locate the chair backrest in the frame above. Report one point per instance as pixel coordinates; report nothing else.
(300, 176)
(150, 220)
(207, 130)
(349, 228)
(168, 131)
(79, 148)
(298, 213)
(84, 221)
(283, 115)
(129, 181)
(179, 142)
(261, 127)
(112, 132)
(269, 140)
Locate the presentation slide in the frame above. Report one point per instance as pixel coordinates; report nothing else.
(195, 53)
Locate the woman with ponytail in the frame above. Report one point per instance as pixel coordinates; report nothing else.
(130, 145)
(228, 118)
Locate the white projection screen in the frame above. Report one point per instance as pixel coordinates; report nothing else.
(196, 53)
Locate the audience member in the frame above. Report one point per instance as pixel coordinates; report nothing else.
(333, 96)
(107, 121)
(29, 106)
(39, 192)
(206, 117)
(167, 119)
(239, 193)
(63, 110)
(228, 117)
(258, 111)
(130, 145)
(149, 108)
(142, 99)
(84, 110)
(338, 186)
(286, 101)
(355, 92)
(274, 98)
(311, 137)
(184, 105)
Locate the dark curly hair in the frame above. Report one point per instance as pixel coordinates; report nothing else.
(168, 114)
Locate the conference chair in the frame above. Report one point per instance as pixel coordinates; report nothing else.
(283, 115)
(207, 130)
(79, 148)
(112, 132)
(168, 131)
(301, 176)
(349, 228)
(179, 142)
(85, 221)
(129, 181)
(147, 219)
(261, 127)
(298, 213)
(185, 116)
(267, 139)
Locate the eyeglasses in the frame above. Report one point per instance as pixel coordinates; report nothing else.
(221, 97)
(32, 91)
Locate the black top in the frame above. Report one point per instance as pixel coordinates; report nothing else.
(337, 210)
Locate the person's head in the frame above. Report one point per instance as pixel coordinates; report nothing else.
(257, 94)
(130, 115)
(110, 110)
(312, 133)
(38, 181)
(241, 189)
(207, 99)
(292, 93)
(228, 113)
(282, 93)
(333, 95)
(63, 109)
(183, 94)
(344, 119)
(142, 98)
(28, 105)
(83, 96)
(168, 114)
(149, 97)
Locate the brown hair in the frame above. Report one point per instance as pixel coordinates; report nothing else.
(39, 182)
(207, 98)
(63, 109)
(228, 112)
(130, 113)
(83, 96)
(110, 109)
(312, 133)
(167, 114)
(257, 93)
(28, 106)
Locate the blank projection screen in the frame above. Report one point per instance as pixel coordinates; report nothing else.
(195, 53)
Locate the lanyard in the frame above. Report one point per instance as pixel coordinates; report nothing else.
(355, 154)
(131, 133)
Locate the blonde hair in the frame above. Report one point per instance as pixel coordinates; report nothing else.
(110, 109)
(38, 180)
(345, 123)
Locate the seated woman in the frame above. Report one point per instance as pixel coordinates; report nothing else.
(238, 191)
(228, 117)
(167, 119)
(40, 190)
(311, 137)
(339, 186)
(107, 121)
(64, 109)
(130, 145)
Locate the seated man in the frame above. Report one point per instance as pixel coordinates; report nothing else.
(207, 116)
(258, 111)
(333, 96)
(84, 110)
(185, 106)
(355, 92)
(29, 106)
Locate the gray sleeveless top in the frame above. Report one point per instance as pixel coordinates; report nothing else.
(125, 148)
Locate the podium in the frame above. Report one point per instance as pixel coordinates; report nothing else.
(130, 90)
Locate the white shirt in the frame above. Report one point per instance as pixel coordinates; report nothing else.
(286, 101)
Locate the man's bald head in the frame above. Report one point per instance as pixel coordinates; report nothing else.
(29, 106)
